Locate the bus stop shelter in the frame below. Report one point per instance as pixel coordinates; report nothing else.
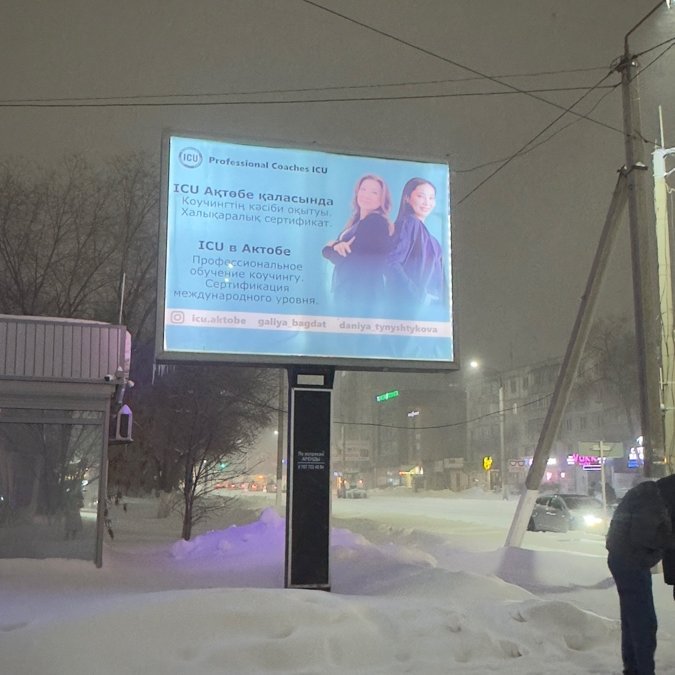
(58, 379)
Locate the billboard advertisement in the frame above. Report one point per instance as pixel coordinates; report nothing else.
(278, 255)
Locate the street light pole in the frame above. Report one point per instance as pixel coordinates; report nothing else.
(502, 451)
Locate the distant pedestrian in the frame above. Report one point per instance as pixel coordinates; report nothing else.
(640, 532)
(73, 519)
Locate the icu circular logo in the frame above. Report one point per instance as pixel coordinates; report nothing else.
(190, 158)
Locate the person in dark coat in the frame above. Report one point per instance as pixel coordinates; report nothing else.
(667, 490)
(73, 519)
(640, 532)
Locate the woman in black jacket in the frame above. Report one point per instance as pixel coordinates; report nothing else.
(361, 250)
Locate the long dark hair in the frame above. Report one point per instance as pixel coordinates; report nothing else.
(404, 208)
(383, 210)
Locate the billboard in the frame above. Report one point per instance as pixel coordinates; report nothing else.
(278, 255)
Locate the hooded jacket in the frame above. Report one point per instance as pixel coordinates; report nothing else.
(641, 528)
(667, 490)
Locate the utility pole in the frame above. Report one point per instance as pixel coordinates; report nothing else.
(569, 367)
(630, 187)
(643, 258)
(663, 234)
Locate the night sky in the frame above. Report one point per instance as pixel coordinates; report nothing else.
(81, 76)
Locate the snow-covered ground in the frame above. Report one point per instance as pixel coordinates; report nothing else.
(420, 584)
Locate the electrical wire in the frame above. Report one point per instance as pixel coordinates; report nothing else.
(543, 141)
(445, 59)
(261, 92)
(565, 111)
(114, 102)
(610, 88)
(507, 161)
(132, 101)
(670, 41)
(444, 426)
(653, 61)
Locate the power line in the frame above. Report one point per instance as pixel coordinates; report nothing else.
(444, 426)
(611, 88)
(125, 102)
(261, 92)
(428, 52)
(653, 61)
(507, 161)
(669, 41)
(445, 59)
(543, 141)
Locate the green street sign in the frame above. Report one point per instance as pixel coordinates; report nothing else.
(609, 450)
(386, 396)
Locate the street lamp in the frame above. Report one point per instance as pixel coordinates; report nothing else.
(475, 365)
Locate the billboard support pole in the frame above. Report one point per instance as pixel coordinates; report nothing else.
(281, 413)
(308, 499)
(570, 364)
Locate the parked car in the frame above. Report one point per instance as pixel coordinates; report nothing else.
(355, 493)
(563, 512)
(271, 487)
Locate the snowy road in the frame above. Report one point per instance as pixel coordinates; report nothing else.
(473, 524)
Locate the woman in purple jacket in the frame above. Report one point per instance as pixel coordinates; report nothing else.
(415, 274)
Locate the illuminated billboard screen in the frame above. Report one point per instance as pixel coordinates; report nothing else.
(277, 255)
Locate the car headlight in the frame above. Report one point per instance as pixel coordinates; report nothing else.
(591, 520)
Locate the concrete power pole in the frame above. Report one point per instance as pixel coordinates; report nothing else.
(663, 234)
(645, 279)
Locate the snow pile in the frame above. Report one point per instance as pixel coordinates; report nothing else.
(217, 605)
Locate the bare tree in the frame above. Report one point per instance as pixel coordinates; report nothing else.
(67, 236)
(610, 372)
(194, 418)
(133, 182)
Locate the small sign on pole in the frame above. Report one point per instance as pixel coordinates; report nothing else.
(386, 396)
